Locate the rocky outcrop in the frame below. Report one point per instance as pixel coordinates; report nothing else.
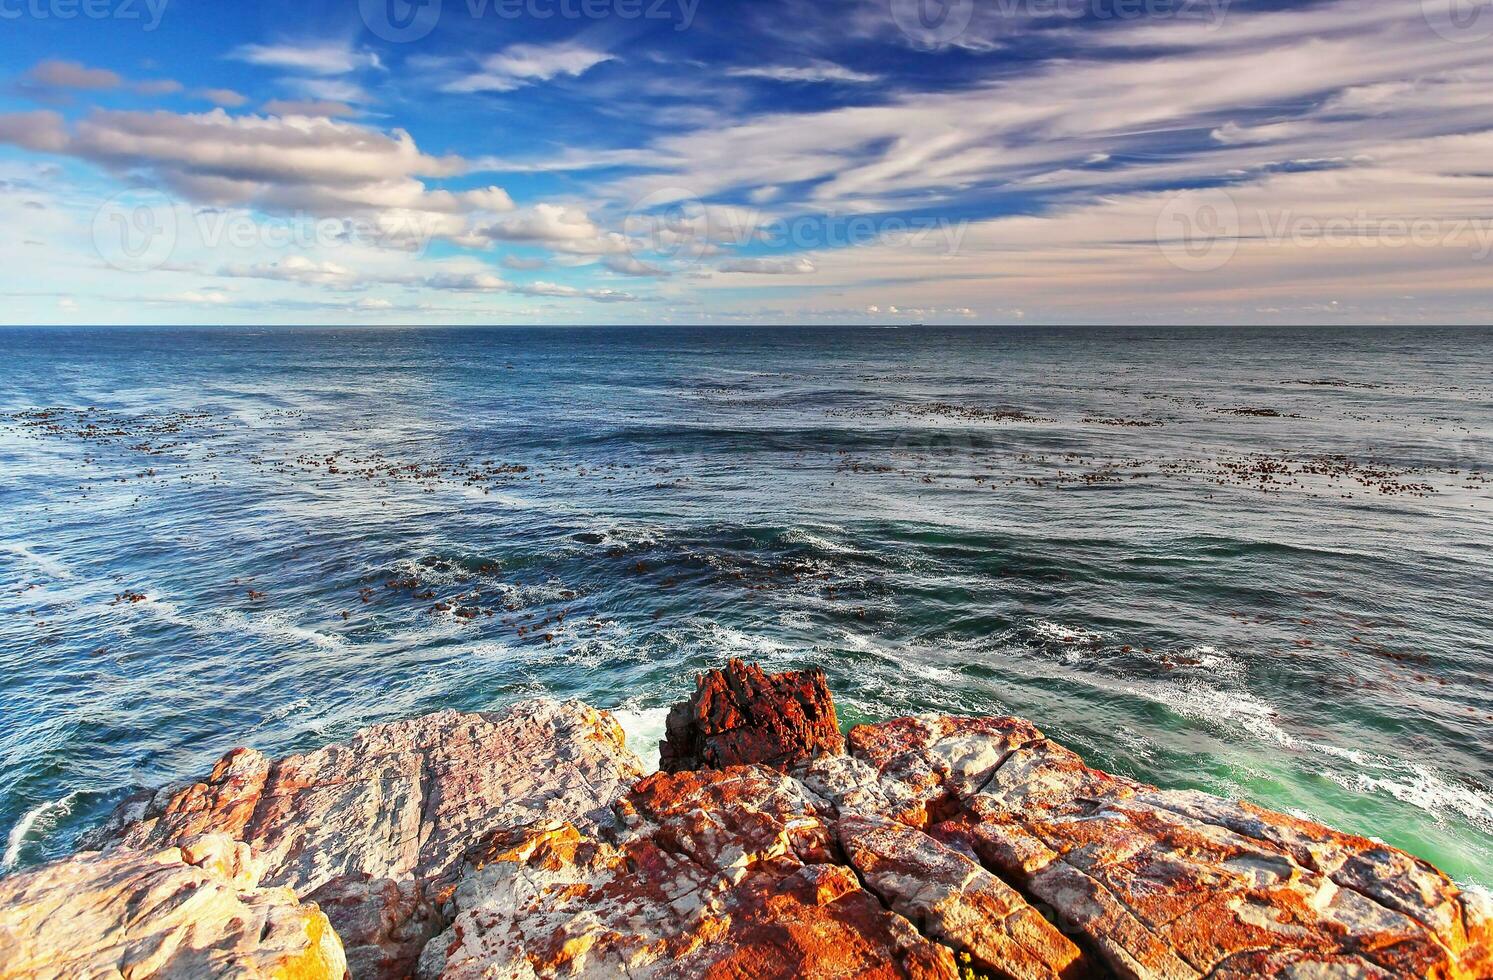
(973, 837)
(524, 845)
(741, 716)
(725, 873)
(1165, 884)
(374, 830)
(176, 913)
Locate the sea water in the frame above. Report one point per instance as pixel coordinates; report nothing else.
(1255, 562)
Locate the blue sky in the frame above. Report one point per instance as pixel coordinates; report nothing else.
(714, 161)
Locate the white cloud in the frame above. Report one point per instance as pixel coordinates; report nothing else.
(195, 297)
(522, 264)
(770, 267)
(329, 90)
(559, 228)
(317, 58)
(628, 265)
(573, 292)
(40, 131)
(72, 75)
(822, 71)
(291, 164)
(914, 149)
(158, 86)
(318, 108)
(545, 223)
(523, 64)
(297, 269)
(225, 97)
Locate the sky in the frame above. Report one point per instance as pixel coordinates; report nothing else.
(877, 162)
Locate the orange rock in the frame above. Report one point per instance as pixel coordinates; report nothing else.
(741, 716)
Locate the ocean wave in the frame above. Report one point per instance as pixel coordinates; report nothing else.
(42, 563)
(1228, 707)
(614, 535)
(801, 536)
(644, 728)
(1051, 632)
(1203, 659)
(716, 638)
(40, 819)
(1422, 787)
(267, 626)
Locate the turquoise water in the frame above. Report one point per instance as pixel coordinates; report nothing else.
(1254, 562)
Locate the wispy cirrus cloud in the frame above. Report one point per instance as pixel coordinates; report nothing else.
(525, 64)
(822, 71)
(770, 267)
(312, 58)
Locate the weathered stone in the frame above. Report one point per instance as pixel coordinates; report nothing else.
(1181, 884)
(704, 874)
(956, 901)
(490, 846)
(176, 913)
(741, 716)
(376, 829)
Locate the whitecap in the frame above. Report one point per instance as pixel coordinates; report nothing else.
(644, 728)
(801, 536)
(269, 626)
(50, 566)
(1203, 702)
(716, 638)
(1419, 786)
(1045, 629)
(51, 811)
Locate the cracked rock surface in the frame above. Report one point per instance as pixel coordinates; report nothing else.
(176, 913)
(526, 845)
(373, 830)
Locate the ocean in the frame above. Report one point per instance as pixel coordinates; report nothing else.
(1255, 562)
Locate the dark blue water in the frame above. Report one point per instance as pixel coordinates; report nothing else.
(1255, 562)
